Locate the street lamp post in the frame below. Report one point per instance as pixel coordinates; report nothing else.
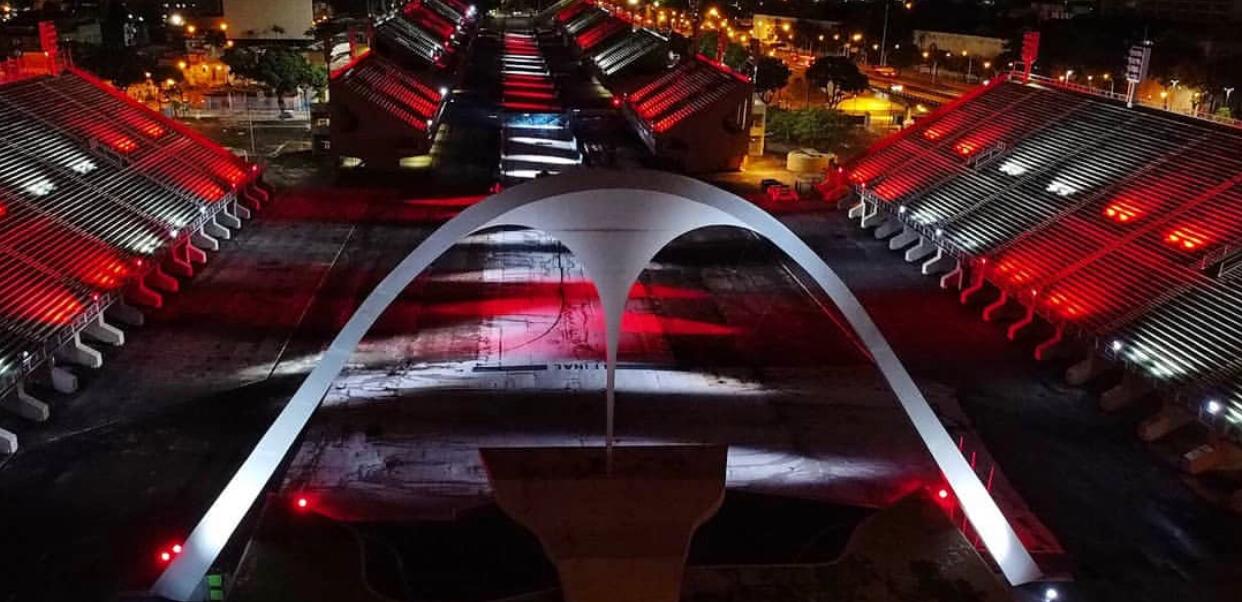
(884, 35)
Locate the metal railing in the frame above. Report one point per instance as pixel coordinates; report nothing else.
(1019, 76)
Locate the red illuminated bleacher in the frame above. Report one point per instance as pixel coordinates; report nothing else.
(96, 191)
(1124, 224)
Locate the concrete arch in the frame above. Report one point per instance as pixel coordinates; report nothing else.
(614, 222)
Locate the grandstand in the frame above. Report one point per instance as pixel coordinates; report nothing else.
(694, 116)
(386, 104)
(1121, 225)
(102, 202)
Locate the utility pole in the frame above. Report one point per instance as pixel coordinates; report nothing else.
(884, 35)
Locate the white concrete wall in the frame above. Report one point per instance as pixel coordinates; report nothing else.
(977, 46)
(253, 19)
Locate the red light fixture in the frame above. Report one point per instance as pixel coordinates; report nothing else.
(1121, 212)
(301, 502)
(1184, 238)
(943, 493)
(165, 556)
(176, 548)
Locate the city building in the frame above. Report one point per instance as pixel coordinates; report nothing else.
(945, 41)
(269, 19)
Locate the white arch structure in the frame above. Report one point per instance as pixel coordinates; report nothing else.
(614, 222)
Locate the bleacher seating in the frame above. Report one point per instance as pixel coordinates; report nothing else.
(424, 30)
(96, 191)
(1113, 221)
(615, 59)
(396, 91)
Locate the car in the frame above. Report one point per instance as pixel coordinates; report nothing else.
(782, 194)
(885, 71)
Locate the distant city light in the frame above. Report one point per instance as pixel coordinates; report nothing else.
(1051, 594)
(176, 19)
(1213, 407)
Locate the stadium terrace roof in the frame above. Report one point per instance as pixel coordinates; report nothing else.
(1125, 224)
(94, 189)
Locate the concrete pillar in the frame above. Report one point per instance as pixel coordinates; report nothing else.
(25, 405)
(953, 276)
(1086, 370)
(177, 265)
(1169, 418)
(215, 230)
(907, 237)
(62, 380)
(890, 227)
(252, 198)
(140, 294)
(194, 254)
(976, 284)
(940, 262)
(8, 443)
(873, 218)
(617, 525)
(921, 250)
(104, 332)
(205, 241)
(1026, 320)
(1131, 388)
(1204, 458)
(1045, 348)
(160, 280)
(240, 210)
(228, 220)
(126, 314)
(990, 311)
(77, 352)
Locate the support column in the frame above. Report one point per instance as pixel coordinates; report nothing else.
(990, 310)
(957, 274)
(8, 443)
(140, 294)
(205, 240)
(104, 332)
(1170, 417)
(921, 250)
(126, 314)
(240, 210)
(177, 264)
(228, 220)
(941, 262)
(1026, 320)
(215, 230)
(617, 526)
(76, 352)
(888, 228)
(976, 284)
(25, 405)
(194, 254)
(1086, 370)
(62, 380)
(857, 211)
(874, 218)
(1043, 349)
(907, 237)
(159, 280)
(1131, 388)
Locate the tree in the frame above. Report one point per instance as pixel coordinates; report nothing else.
(281, 70)
(771, 75)
(838, 72)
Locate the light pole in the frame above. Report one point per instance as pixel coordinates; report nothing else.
(884, 35)
(1111, 83)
